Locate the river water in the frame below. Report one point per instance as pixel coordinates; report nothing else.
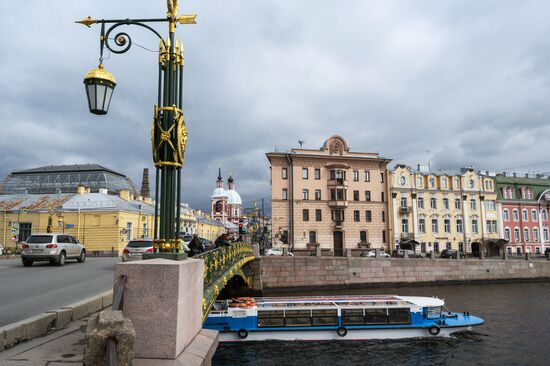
(516, 332)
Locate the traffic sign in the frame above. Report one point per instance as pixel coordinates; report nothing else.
(14, 231)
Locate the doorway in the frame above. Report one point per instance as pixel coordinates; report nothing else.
(476, 249)
(338, 244)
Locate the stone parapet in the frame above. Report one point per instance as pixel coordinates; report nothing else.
(294, 272)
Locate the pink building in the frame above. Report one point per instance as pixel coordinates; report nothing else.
(227, 205)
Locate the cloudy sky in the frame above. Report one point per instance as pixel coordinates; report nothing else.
(451, 82)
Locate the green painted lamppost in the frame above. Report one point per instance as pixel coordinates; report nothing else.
(168, 132)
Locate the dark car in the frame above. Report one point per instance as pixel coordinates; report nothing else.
(208, 245)
(451, 253)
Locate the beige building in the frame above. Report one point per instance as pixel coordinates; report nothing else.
(432, 211)
(331, 198)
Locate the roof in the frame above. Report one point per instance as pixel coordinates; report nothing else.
(538, 186)
(33, 202)
(101, 201)
(67, 168)
(233, 197)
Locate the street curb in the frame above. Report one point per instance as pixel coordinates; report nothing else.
(39, 325)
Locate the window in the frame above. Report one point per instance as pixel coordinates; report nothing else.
(507, 234)
(526, 234)
(405, 226)
(273, 318)
(381, 177)
(297, 318)
(446, 203)
(337, 194)
(471, 184)
(352, 317)
(324, 317)
(363, 236)
(284, 173)
(367, 196)
(368, 216)
(317, 174)
(447, 225)
(402, 180)
(356, 176)
(382, 197)
(338, 175)
(475, 229)
(418, 182)
(130, 231)
(356, 216)
(403, 202)
(457, 203)
(490, 205)
(545, 233)
(459, 228)
(305, 194)
(524, 215)
(337, 215)
(422, 226)
(435, 228)
(473, 204)
(492, 226)
(305, 214)
(432, 182)
(383, 236)
(375, 316)
(436, 246)
(317, 195)
(433, 203)
(318, 215)
(516, 235)
(515, 215)
(367, 176)
(399, 316)
(285, 193)
(420, 201)
(537, 250)
(534, 216)
(518, 251)
(305, 173)
(456, 184)
(544, 215)
(312, 237)
(444, 183)
(383, 216)
(506, 215)
(448, 245)
(535, 234)
(356, 195)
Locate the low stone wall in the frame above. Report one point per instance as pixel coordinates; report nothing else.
(288, 272)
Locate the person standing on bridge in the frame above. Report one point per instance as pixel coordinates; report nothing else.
(195, 246)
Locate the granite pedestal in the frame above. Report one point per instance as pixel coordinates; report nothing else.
(163, 299)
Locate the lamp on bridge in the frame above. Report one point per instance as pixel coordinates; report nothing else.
(100, 85)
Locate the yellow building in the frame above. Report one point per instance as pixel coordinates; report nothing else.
(208, 228)
(103, 223)
(432, 211)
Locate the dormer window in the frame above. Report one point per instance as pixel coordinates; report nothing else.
(432, 182)
(471, 184)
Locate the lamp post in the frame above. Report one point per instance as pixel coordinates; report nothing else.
(168, 133)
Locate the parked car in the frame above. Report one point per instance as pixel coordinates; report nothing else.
(400, 253)
(135, 249)
(276, 251)
(208, 245)
(451, 253)
(372, 254)
(55, 248)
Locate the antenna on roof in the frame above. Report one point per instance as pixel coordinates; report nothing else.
(301, 142)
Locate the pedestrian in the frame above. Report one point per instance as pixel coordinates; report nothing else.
(195, 246)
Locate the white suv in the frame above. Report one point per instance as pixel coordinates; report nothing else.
(55, 248)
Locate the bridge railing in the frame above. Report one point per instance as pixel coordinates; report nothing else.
(220, 265)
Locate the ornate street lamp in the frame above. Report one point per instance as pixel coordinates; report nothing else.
(168, 133)
(100, 84)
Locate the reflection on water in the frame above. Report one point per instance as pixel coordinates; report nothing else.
(516, 332)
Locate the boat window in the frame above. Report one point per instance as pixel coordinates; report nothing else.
(352, 317)
(375, 316)
(433, 312)
(399, 316)
(325, 317)
(297, 318)
(273, 318)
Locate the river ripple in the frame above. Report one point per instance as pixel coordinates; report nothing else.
(516, 332)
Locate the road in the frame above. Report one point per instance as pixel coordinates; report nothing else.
(28, 291)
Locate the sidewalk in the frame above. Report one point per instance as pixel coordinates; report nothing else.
(62, 347)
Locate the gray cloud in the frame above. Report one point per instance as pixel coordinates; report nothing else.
(455, 83)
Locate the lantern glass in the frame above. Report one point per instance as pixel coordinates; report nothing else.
(99, 85)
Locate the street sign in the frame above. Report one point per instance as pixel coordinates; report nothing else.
(124, 231)
(24, 211)
(14, 231)
(69, 226)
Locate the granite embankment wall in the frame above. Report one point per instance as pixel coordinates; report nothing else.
(293, 272)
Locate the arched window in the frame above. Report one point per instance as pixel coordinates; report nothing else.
(526, 234)
(507, 233)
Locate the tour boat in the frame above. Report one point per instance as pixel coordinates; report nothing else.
(312, 318)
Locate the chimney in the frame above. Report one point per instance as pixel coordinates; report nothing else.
(145, 190)
(124, 194)
(81, 190)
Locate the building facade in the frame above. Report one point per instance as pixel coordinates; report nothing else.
(331, 198)
(432, 211)
(524, 204)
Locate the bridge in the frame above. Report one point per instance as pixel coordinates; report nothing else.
(220, 266)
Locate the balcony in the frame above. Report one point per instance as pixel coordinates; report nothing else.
(406, 236)
(338, 203)
(338, 182)
(405, 210)
(338, 224)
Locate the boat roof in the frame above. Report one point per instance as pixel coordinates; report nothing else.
(347, 300)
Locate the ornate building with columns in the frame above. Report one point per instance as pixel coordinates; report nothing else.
(227, 205)
(436, 210)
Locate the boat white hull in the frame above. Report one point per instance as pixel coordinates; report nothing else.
(325, 335)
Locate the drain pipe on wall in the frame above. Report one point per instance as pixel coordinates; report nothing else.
(291, 204)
